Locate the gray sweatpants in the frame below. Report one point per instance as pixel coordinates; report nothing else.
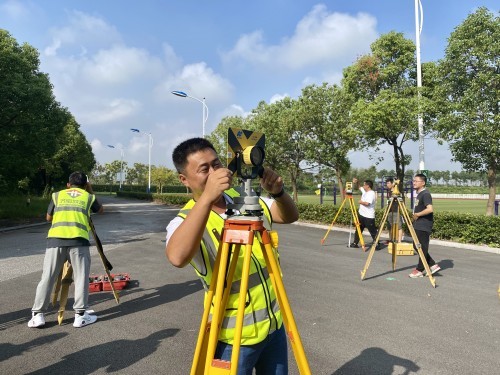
(55, 257)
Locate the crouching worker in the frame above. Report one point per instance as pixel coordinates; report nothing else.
(193, 237)
(68, 240)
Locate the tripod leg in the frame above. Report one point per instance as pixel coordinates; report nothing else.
(374, 246)
(66, 281)
(57, 288)
(241, 308)
(286, 311)
(419, 247)
(333, 222)
(355, 218)
(203, 353)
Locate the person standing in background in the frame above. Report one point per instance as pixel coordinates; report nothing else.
(423, 220)
(68, 240)
(366, 211)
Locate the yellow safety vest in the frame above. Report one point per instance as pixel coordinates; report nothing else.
(71, 214)
(262, 312)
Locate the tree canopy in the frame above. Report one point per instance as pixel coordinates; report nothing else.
(39, 134)
(467, 96)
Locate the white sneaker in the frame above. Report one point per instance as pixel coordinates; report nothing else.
(435, 268)
(37, 320)
(84, 320)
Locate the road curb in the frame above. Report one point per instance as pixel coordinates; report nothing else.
(8, 229)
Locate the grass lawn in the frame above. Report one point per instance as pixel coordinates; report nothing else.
(473, 206)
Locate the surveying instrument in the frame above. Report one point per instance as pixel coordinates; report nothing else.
(355, 219)
(396, 199)
(243, 226)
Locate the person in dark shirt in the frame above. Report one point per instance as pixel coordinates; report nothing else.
(423, 219)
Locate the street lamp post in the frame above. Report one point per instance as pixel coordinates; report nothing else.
(121, 164)
(182, 94)
(418, 29)
(150, 141)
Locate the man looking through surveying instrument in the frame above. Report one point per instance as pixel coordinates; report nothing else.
(194, 236)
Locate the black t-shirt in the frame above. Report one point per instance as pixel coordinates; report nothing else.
(73, 242)
(395, 206)
(423, 223)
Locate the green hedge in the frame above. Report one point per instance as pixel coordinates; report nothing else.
(457, 227)
(175, 199)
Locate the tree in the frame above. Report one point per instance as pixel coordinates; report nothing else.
(138, 174)
(325, 109)
(284, 129)
(219, 136)
(466, 96)
(30, 118)
(73, 153)
(161, 176)
(383, 87)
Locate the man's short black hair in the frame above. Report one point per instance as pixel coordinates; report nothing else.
(369, 183)
(423, 177)
(186, 148)
(78, 179)
(389, 179)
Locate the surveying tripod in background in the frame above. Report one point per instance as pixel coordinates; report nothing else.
(241, 231)
(396, 199)
(355, 219)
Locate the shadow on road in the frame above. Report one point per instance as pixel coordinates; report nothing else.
(376, 361)
(154, 297)
(93, 358)
(8, 350)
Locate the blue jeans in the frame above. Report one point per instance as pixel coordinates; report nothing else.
(267, 357)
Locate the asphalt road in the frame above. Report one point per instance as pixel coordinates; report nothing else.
(385, 324)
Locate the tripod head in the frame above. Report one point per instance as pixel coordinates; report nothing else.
(395, 189)
(245, 159)
(247, 203)
(348, 187)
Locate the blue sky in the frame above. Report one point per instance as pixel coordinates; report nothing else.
(114, 63)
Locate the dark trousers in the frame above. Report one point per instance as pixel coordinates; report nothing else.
(424, 239)
(365, 222)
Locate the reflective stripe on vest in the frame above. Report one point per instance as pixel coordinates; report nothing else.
(262, 314)
(71, 213)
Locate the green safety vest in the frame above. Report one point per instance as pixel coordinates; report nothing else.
(71, 214)
(262, 312)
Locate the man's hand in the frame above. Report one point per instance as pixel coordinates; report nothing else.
(88, 188)
(271, 181)
(217, 182)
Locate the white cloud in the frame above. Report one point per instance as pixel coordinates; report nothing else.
(277, 97)
(320, 38)
(83, 29)
(234, 110)
(110, 111)
(14, 9)
(197, 80)
(120, 64)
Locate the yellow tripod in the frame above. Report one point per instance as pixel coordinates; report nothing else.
(396, 199)
(354, 213)
(240, 231)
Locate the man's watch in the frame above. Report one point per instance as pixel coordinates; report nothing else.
(275, 196)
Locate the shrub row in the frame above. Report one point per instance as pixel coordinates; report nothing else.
(457, 227)
(174, 199)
